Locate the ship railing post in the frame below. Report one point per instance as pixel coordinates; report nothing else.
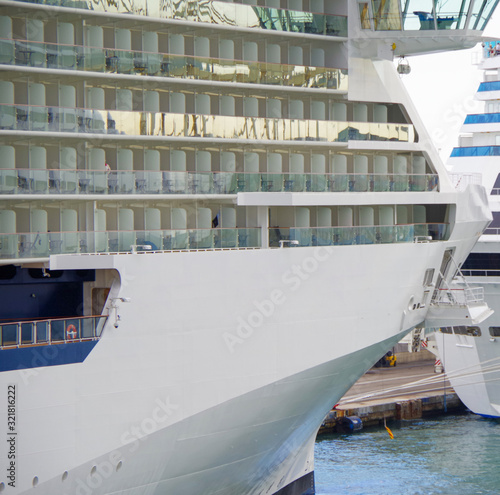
(263, 222)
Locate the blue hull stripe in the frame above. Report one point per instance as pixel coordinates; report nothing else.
(47, 355)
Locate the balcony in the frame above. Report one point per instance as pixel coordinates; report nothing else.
(175, 125)
(83, 58)
(359, 235)
(52, 331)
(44, 244)
(48, 181)
(218, 13)
(453, 306)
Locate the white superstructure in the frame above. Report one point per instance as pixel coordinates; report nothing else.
(214, 217)
(471, 353)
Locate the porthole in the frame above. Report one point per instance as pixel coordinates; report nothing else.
(2, 486)
(93, 470)
(65, 476)
(35, 481)
(411, 304)
(119, 466)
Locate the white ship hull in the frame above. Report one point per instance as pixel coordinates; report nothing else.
(245, 403)
(290, 217)
(471, 354)
(472, 363)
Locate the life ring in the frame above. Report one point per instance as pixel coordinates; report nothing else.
(71, 332)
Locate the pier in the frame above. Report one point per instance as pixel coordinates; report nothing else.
(410, 390)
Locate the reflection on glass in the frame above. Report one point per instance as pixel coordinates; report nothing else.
(451, 14)
(218, 12)
(38, 118)
(485, 14)
(75, 57)
(364, 15)
(386, 15)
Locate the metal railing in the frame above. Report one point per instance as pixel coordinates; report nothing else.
(461, 181)
(458, 297)
(52, 181)
(477, 272)
(51, 331)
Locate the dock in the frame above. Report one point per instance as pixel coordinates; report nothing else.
(410, 390)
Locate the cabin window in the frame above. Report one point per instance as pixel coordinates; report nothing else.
(495, 331)
(470, 331)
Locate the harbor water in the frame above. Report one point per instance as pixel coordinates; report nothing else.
(448, 455)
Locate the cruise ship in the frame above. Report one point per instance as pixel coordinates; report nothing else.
(471, 353)
(214, 217)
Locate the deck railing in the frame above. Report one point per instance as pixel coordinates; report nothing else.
(88, 58)
(51, 181)
(343, 236)
(478, 272)
(40, 118)
(51, 331)
(461, 181)
(44, 244)
(458, 297)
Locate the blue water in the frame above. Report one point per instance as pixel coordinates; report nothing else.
(450, 455)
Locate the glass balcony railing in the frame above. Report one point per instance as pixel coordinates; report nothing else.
(74, 57)
(78, 120)
(482, 118)
(53, 331)
(343, 236)
(489, 85)
(219, 13)
(46, 181)
(476, 151)
(44, 244)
